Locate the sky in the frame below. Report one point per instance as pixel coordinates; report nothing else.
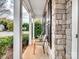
(10, 6)
(25, 15)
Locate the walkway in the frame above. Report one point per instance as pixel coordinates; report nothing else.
(28, 54)
(6, 33)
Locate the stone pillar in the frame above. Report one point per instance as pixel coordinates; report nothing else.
(30, 29)
(59, 28)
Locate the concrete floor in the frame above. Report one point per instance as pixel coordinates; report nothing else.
(28, 54)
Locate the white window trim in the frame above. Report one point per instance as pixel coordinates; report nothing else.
(75, 30)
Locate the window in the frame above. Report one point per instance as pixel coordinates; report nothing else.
(50, 23)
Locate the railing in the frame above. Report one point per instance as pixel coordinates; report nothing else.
(43, 41)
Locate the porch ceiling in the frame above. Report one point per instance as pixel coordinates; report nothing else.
(36, 7)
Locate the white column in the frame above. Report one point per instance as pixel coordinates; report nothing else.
(46, 29)
(75, 25)
(17, 48)
(43, 20)
(33, 29)
(46, 26)
(30, 29)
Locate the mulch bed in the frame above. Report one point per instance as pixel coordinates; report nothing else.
(9, 54)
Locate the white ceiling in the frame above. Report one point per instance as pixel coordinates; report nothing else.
(35, 6)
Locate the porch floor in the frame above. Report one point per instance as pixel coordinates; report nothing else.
(28, 53)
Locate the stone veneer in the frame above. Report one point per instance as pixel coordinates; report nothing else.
(61, 28)
(68, 28)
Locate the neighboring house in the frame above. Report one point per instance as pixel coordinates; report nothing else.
(2, 27)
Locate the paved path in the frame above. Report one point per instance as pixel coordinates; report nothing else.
(2, 34)
(5, 33)
(28, 54)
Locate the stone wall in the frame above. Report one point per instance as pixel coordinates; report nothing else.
(61, 28)
(68, 28)
(59, 15)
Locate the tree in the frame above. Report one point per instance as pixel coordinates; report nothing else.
(25, 27)
(3, 9)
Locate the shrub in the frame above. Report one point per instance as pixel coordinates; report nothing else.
(38, 29)
(5, 42)
(7, 23)
(10, 26)
(25, 39)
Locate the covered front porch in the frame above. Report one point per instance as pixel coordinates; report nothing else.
(57, 27)
(35, 9)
